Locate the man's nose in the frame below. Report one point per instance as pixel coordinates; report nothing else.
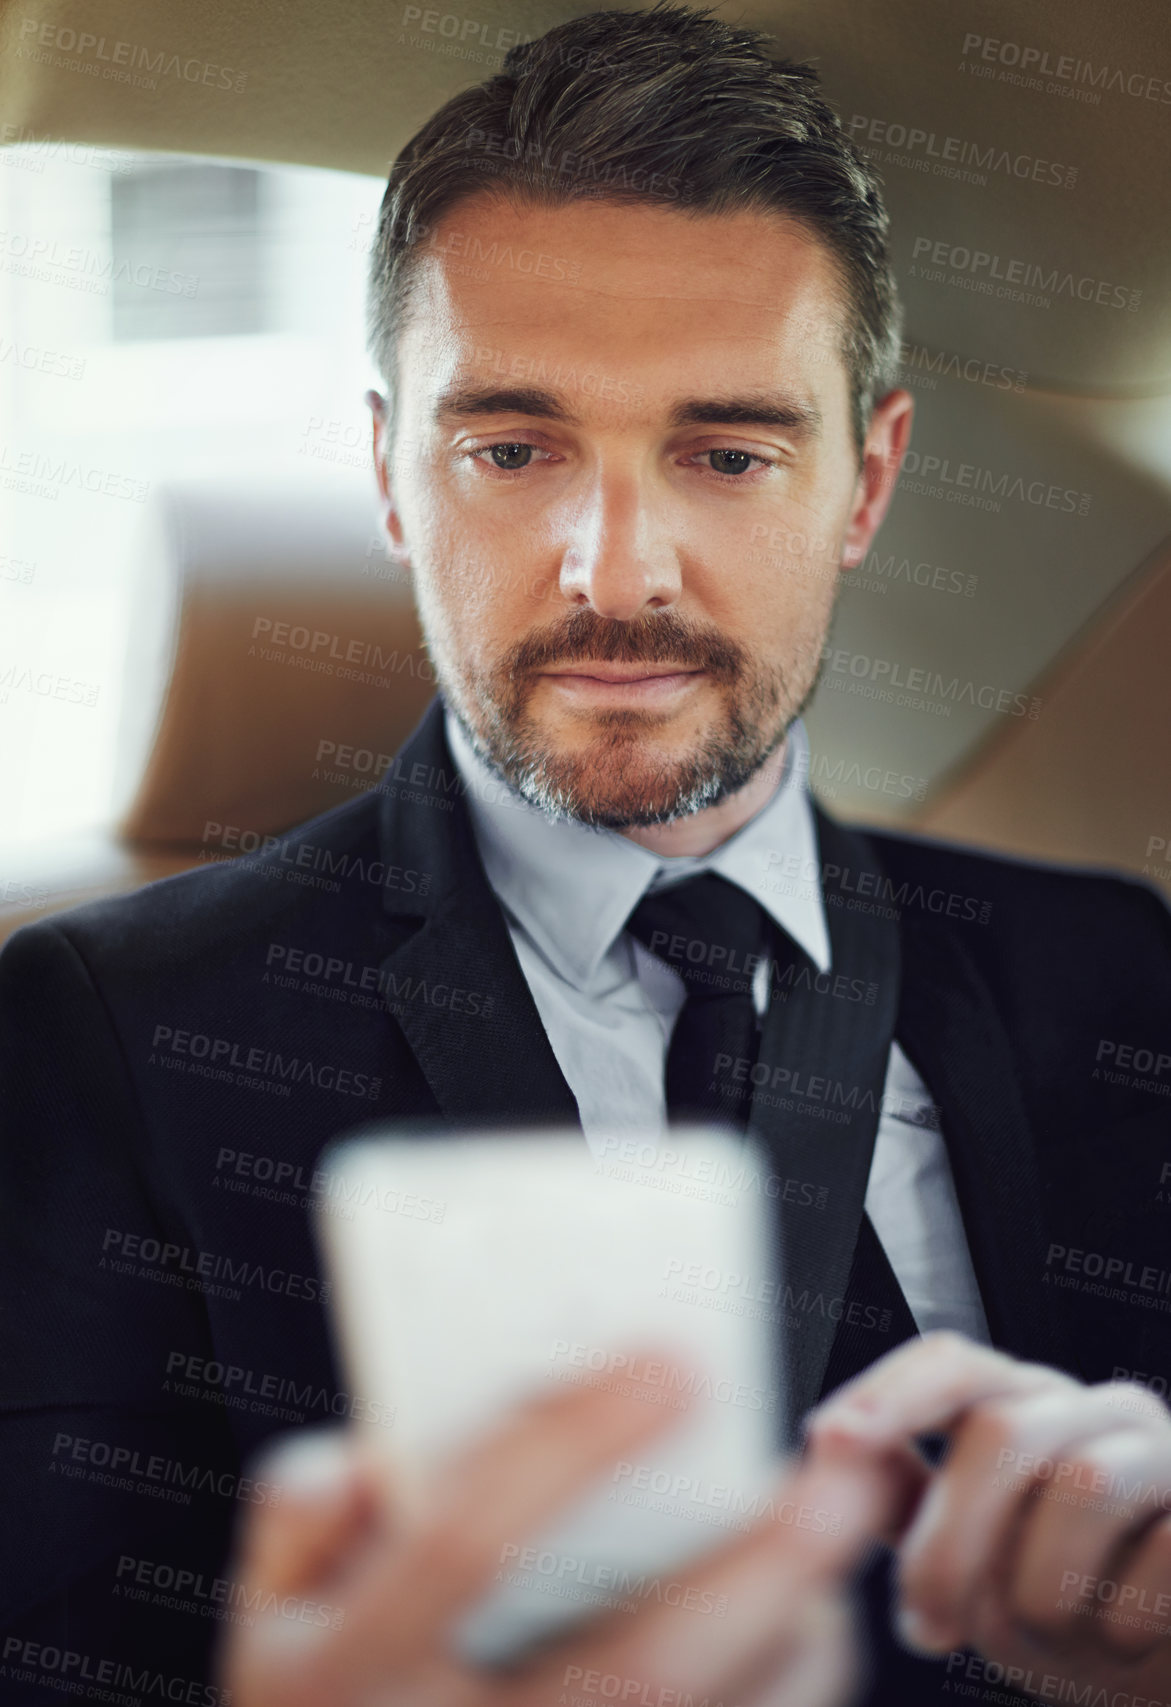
(619, 556)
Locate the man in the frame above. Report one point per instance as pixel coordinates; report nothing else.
(633, 310)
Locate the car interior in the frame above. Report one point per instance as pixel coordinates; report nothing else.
(202, 642)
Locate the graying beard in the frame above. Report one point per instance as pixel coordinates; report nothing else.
(532, 784)
(527, 774)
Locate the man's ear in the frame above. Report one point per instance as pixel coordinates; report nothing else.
(396, 546)
(887, 438)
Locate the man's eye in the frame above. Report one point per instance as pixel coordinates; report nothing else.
(731, 461)
(508, 456)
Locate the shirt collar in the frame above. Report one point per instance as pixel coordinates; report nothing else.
(572, 888)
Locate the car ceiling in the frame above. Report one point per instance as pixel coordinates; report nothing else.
(1089, 408)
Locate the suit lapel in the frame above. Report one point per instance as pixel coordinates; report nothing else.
(831, 1034)
(453, 983)
(950, 1029)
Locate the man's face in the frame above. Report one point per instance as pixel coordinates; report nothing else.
(624, 483)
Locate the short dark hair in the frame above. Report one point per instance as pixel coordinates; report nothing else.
(670, 107)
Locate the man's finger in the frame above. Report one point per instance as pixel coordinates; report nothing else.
(968, 1527)
(1145, 1571)
(822, 1671)
(1121, 1486)
(875, 1495)
(502, 1491)
(923, 1387)
(820, 1522)
(326, 1494)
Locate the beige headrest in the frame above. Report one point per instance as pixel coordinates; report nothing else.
(276, 663)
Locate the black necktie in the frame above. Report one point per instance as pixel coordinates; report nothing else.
(713, 934)
(706, 928)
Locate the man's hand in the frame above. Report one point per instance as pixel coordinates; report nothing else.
(395, 1582)
(1044, 1539)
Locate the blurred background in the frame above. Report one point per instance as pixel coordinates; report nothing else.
(187, 522)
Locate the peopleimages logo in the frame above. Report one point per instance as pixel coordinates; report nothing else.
(1104, 1275)
(918, 358)
(181, 1589)
(450, 25)
(832, 774)
(723, 1497)
(31, 1662)
(290, 1069)
(661, 1381)
(1031, 275)
(46, 685)
(1037, 62)
(34, 358)
(88, 270)
(128, 56)
(197, 1269)
(942, 152)
(930, 684)
(602, 173)
(55, 474)
(985, 488)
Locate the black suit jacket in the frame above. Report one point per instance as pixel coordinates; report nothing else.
(172, 1063)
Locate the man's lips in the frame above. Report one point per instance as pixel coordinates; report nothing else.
(623, 672)
(629, 686)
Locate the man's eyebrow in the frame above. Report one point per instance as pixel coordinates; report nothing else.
(801, 419)
(461, 401)
(766, 409)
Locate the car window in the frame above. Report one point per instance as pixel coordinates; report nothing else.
(159, 315)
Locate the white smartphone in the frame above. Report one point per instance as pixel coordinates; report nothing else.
(472, 1272)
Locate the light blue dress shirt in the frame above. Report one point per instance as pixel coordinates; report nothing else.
(609, 1006)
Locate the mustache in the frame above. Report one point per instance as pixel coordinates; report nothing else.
(584, 636)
